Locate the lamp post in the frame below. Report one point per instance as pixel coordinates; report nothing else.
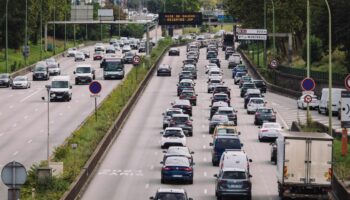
(48, 88)
(26, 35)
(308, 54)
(54, 27)
(65, 25)
(273, 27)
(7, 44)
(330, 132)
(265, 54)
(41, 29)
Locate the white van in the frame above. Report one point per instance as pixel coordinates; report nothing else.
(61, 88)
(234, 159)
(336, 97)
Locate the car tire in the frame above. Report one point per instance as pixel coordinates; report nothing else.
(190, 182)
(260, 140)
(162, 181)
(255, 122)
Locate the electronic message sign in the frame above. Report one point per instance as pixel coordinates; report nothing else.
(187, 18)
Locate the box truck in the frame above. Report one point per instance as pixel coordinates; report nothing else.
(304, 165)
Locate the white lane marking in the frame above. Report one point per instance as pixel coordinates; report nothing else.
(205, 174)
(147, 186)
(29, 141)
(26, 117)
(205, 191)
(205, 159)
(1, 134)
(152, 167)
(15, 153)
(204, 147)
(14, 125)
(27, 97)
(36, 110)
(11, 106)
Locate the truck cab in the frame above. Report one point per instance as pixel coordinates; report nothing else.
(61, 89)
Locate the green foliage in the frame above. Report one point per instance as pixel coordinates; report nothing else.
(315, 50)
(133, 30)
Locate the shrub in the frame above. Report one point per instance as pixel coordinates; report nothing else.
(315, 50)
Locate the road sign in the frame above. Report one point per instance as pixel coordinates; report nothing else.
(14, 174)
(241, 31)
(274, 63)
(347, 82)
(307, 99)
(345, 109)
(308, 84)
(95, 87)
(186, 18)
(136, 60)
(252, 37)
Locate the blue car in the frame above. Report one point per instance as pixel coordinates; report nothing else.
(177, 168)
(221, 144)
(239, 68)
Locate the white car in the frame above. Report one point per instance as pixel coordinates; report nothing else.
(20, 82)
(313, 104)
(79, 56)
(269, 131)
(72, 51)
(173, 136)
(254, 104)
(211, 66)
(126, 48)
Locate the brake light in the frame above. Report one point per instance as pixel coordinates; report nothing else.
(273, 116)
(257, 114)
(166, 168)
(285, 171)
(187, 169)
(264, 130)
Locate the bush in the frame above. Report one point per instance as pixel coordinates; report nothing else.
(315, 49)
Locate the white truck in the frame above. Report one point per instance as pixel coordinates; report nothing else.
(304, 165)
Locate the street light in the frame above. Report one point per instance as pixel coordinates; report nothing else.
(54, 27)
(330, 112)
(6, 51)
(41, 29)
(273, 28)
(48, 88)
(26, 36)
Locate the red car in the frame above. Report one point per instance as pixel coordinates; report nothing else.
(98, 55)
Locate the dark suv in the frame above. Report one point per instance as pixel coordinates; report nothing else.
(221, 143)
(222, 89)
(41, 71)
(182, 121)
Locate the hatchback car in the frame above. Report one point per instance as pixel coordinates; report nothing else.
(189, 95)
(167, 115)
(79, 56)
(217, 120)
(216, 106)
(182, 121)
(71, 52)
(251, 93)
(212, 83)
(184, 84)
(183, 104)
(185, 75)
(239, 68)
(168, 194)
(191, 68)
(164, 70)
(173, 136)
(128, 57)
(126, 48)
(98, 55)
(245, 79)
(216, 61)
(5, 80)
(211, 54)
(254, 104)
(53, 66)
(269, 131)
(20, 82)
(174, 51)
(222, 89)
(264, 114)
(41, 71)
(238, 76)
(177, 168)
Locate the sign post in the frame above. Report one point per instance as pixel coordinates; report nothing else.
(136, 61)
(14, 175)
(95, 88)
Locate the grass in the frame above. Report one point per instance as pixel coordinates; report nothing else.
(16, 60)
(88, 136)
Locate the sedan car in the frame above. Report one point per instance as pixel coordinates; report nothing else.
(5, 80)
(222, 89)
(71, 52)
(178, 151)
(245, 79)
(214, 82)
(217, 120)
(53, 66)
(269, 131)
(98, 55)
(182, 121)
(79, 56)
(216, 106)
(174, 51)
(185, 75)
(301, 104)
(183, 104)
(20, 82)
(238, 76)
(173, 136)
(177, 168)
(211, 54)
(168, 114)
(216, 61)
(264, 114)
(245, 87)
(166, 194)
(185, 84)
(126, 48)
(230, 112)
(164, 70)
(128, 57)
(86, 53)
(189, 95)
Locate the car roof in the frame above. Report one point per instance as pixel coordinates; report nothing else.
(181, 115)
(220, 103)
(227, 136)
(182, 101)
(171, 190)
(60, 78)
(227, 108)
(173, 128)
(186, 80)
(173, 109)
(84, 65)
(233, 169)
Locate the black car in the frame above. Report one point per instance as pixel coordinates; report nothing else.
(41, 71)
(182, 121)
(164, 70)
(245, 87)
(211, 54)
(128, 57)
(264, 114)
(222, 89)
(185, 75)
(216, 61)
(184, 84)
(183, 104)
(260, 84)
(5, 80)
(174, 52)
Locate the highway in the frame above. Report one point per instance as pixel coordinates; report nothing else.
(131, 168)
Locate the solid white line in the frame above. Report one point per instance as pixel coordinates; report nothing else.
(205, 191)
(30, 141)
(147, 186)
(205, 174)
(15, 153)
(27, 97)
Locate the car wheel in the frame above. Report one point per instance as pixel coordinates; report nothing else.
(255, 122)
(190, 181)
(162, 181)
(260, 140)
(319, 111)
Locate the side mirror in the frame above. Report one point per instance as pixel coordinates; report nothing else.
(250, 176)
(190, 199)
(241, 144)
(161, 162)
(163, 114)
(151, 198)
(164, 151)
(192, 152)
(282, 127)
(250, 160)
(259, 126)
(74, 72)
(70, 87)
(211, 144)
(239, 133)
(172, 104)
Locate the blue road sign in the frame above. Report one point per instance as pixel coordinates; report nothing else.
(308, 84)
(95, 87)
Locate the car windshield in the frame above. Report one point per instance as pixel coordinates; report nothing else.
(185, 84)
(225, 112)
(265, 110)
(234, 175)
(83, 69)
(40, 69)
(226, 130)
(186, 73)
(187, 94)
(59, 84)
(113, 66)
(79, 54)
(177, 161)
(259, 82)
(215, 81)
(246, 78)
(257, 101)
(215, 73)
(220, 97)
(52, 66)
(188, 68)
(171, 112)
(180, 119)
(240, 74)
(3, 75)
(178, 150)
(50, 61)
(271, 126)
(170, 196)
(221, 89)
(249, 85)
(219, 118)
(20, 78)
(228, 143)
(254, 95)
(172, 133)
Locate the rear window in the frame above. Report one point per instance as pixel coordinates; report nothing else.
(265, 110)
(177, 161)
(234, 175)
(170, 113)
(226, 130)
(227, 143)
(170, 196)
(174, 133)
(180, 119)
(257, 101)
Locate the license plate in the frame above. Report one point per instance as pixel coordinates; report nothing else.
(59, 97)
(177, 176)
(83, 80)
(234, 186)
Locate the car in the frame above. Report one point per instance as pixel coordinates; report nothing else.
(230, 112)
(184, 84)
(192, 69)
(261, 85)
(178, 151)
(245, 87)
(189, 61)
(233, 158)
(177, 168)
(245, 79)
(221, 143)
(41, 71)
(133, 44)
(183, 104)
(189, 95)
(142, 47)
(216, 106)
(84, 74)
(164, 70)
(71, 52)
(217, 120)
(99, 47)
(222, 89)
(210, 66)
(61, 89)
(113, 41)
(126, 48)
(192, 55)
(86, 53)
(79, 56)
(220, 97)
(182, 121)
(174, 51)
(211, 54)
(128, 57)
(234, 60)
(238, 77)
(216, 61)
(53, 66)
(20, 82)
(228, 53)
(98, 55)
(239, 68)
(185, 75)
(225, 130)
(214, 82)
(110, 49)
(264, 114)
(301, 104)
(269, 131)
(5, 80)
(167, 115)
(167, 194)
(254, 104)
(215, 72)
(250, 94)
(233, 182)
(173, 136)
